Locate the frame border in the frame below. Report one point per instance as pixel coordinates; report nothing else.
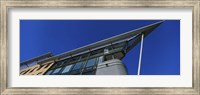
(5, 5)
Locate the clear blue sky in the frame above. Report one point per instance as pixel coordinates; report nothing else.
(161, 51)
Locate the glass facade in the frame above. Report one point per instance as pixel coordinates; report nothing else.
(86, 63)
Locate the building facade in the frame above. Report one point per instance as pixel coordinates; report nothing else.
(99, 58)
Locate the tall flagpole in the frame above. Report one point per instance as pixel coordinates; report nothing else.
(140, 57)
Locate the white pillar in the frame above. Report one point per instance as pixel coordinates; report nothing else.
(140, 57)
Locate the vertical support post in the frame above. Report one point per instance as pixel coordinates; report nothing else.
(84, 64)
(140, 57)
(126, 47)
(113, 57)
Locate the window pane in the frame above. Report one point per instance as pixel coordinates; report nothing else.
(57, 70)
(77, 65)
(100, 60)
(106, 51)
(91, 62)
(66, 69)
(49, 72)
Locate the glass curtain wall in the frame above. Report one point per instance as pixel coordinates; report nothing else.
(86, 64)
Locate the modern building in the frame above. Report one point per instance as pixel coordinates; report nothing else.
(99, 58)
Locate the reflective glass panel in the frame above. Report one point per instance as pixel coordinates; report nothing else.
(100, 60)
(91, 62)
(77, 65)
(106, 51)
(66, 69)
(57, 70)
(49, 72)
